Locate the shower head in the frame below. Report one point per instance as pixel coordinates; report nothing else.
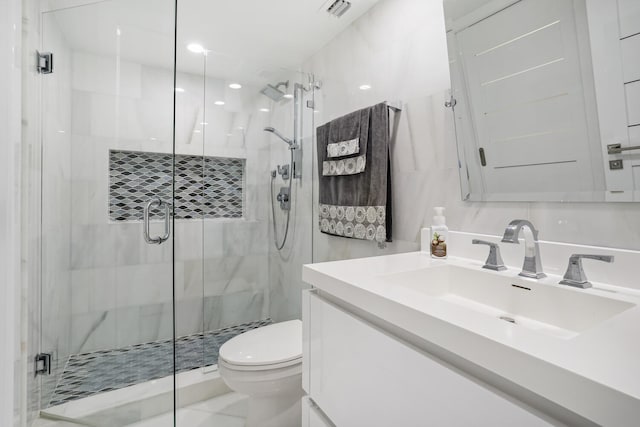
(274, 92)
(279, 135)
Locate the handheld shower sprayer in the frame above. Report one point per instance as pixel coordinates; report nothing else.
(272, 130)
(291, 171)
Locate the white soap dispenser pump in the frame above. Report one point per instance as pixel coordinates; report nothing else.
(439, 234)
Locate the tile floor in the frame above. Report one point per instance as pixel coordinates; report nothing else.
(101, 371)
(228, 410)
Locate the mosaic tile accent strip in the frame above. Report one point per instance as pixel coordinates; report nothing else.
(206, 187)
(101, 371)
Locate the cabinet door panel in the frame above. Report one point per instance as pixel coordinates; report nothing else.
(362, 376)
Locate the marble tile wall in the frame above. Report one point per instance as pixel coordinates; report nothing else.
(399, 49)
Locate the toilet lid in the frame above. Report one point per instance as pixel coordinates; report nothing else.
(267, 345)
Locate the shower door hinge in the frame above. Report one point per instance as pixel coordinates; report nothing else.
(43, 364)
(45, 62)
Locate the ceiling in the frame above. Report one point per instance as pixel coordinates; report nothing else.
(249, 41)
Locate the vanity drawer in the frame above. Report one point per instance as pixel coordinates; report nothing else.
(360, 375)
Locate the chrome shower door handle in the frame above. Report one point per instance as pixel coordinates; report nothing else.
(156, 202)
(167, 221)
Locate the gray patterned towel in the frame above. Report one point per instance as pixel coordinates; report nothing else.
(346, 147)
(355, 177)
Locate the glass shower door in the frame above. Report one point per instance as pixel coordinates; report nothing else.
(107, 180)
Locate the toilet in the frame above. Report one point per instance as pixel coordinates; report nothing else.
(266, 364)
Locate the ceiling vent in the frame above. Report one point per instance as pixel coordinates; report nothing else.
(339, 8)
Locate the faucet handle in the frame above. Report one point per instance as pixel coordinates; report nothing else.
(575, 275)
(494, 260)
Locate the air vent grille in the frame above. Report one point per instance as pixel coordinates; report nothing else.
(339, 8)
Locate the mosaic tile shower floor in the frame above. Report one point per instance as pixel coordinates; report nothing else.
(101, 371)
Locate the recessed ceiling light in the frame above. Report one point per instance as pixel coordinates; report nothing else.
(235, 86)
(195, 48)
(365, 87)
(288, 96)
(265, 110)
(179, 90)
(219, 102)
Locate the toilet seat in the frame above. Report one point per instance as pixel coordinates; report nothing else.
(265, 367)
(271, 347)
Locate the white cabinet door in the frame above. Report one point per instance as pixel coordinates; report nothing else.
(360, 375)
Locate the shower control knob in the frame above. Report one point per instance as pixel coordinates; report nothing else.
(282, 197)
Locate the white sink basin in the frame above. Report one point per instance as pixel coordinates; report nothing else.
(551, 309)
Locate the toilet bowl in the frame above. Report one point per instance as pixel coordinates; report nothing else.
(266, 364)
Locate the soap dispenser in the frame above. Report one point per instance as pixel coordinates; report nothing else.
(439, 234)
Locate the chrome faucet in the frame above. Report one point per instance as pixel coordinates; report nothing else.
(532, 266)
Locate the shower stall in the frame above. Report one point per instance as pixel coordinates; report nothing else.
(156, 227)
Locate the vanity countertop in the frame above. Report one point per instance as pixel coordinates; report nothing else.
(595, 374)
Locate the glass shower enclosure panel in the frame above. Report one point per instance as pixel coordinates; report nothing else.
(230, 277)
(221, 249)
(107, 174)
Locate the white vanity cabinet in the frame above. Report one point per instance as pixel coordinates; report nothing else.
(361, 375)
